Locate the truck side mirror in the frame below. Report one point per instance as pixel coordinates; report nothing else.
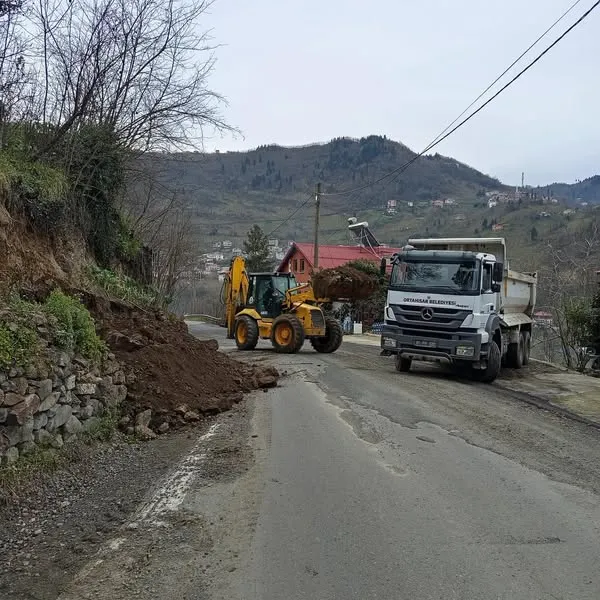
(383, 266)
(496, 287)
(498, 273)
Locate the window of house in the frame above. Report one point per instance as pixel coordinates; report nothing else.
(301, 266)
(295, 263)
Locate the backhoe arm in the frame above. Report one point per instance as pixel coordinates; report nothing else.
(236, 291)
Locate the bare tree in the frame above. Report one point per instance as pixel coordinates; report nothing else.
(569, 285)
(138, 67)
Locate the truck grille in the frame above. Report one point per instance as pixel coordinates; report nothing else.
(408, 315)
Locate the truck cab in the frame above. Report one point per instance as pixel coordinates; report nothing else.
(451, 300)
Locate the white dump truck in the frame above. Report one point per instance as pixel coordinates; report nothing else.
(457, 300)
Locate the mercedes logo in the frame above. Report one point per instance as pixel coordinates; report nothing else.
(427, 314)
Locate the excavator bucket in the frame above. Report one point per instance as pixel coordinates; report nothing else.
(344, 283)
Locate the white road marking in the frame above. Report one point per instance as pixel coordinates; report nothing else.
(172, 491)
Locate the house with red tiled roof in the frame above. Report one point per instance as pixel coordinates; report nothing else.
(299, 257)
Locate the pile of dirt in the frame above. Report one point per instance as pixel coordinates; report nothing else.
(173, 374)
(343, 283)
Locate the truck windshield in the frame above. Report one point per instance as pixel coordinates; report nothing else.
(460, 277)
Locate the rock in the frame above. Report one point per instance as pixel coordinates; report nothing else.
(27, 430)
(91, 423)
(70, 382)
(130, 430)
(212, 345)
(49, 402)
(10, 456)
(163, 427)
(85, 389)
(124, 422)
(82, 362)
(86, 412)
(108, 380)
(3, 414)
(26, 448)
(31, 372)
(191, 415)
(72, 427)
(109, 367)
(63, 414)
(118, 378)
(43, 437)
(90, 378)
(1, 397)
(121, 393)
(9, 436)
(12, 398)
(182, 409)
(143, 419)
(119, 341)
(95, 404)
(21, 384)
(40, 421)
(44, 389)
(57, 441)
(63, 360)
(19, 413)
(13, 372)
(144, 433)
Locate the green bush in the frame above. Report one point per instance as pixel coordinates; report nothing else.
(74, 330)
(124, 288)
(18, 345)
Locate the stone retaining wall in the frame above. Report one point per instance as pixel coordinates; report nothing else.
(51, 404)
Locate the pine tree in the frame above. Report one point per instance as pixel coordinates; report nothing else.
(256, 250)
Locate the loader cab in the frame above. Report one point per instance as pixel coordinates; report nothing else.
(266, 292)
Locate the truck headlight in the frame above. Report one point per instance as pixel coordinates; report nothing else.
(389, 342)
(465, 350)
(389, 313)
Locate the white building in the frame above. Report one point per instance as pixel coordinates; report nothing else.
(227, 244)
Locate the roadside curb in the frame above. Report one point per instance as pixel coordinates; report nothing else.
(545, 404)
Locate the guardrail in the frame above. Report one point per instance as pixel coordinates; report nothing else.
(206, 318)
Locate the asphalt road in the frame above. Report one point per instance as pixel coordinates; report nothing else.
(359, 482)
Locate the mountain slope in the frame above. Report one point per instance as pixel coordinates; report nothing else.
(230, 191)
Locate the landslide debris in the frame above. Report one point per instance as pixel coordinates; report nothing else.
(170, 372)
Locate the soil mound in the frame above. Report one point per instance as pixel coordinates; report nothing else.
(175, 375)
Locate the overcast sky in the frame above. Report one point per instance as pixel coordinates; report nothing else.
(302, 71)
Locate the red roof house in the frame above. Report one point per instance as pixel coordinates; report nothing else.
(299, 258)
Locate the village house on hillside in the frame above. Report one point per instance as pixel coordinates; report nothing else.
(299, 257)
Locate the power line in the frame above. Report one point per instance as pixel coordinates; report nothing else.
(445, 133)
(294, 212)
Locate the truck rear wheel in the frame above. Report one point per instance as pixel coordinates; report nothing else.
(287, 334)
(492, 369)
(402, 363)
(514, 354)
(332, 339)
(526, 347)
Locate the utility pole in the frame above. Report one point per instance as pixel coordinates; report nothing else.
(317, 210)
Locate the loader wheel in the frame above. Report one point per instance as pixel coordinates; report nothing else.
(332, 339)
(492, 369)
(526, 347)
(246, 333)
(287, 334)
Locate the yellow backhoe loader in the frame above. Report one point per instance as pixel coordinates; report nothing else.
(273, 306)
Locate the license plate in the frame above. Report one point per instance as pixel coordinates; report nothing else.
(425, 344)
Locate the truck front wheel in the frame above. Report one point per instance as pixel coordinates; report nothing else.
(492, 369)
(402, 363)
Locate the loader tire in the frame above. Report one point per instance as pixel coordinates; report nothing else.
(332, 339)
(287, 334)
(492, 369)
(246, 333)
